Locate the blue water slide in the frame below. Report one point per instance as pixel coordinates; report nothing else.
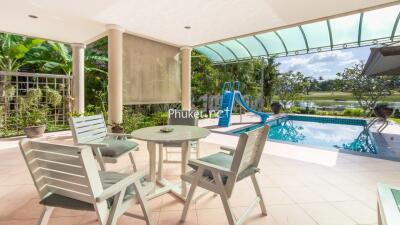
(240, 100)
(230, 94)
(226, 104)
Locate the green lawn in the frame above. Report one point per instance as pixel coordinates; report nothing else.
(397, 120)
(343, 96)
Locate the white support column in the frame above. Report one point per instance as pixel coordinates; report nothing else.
(78, 77)
(186, 58)
(115, 51)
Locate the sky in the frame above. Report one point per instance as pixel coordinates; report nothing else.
(324, 64)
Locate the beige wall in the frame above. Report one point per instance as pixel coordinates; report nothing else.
(151, 72)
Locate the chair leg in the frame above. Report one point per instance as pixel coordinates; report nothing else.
(160, 161)
(46, 213)
(99, 158)
(115, 208)
(132, 162)
(166, 154)
(189, 197)
(198, 149)
(143, 204)
(224, 199)
(258, 192)
(379, 214)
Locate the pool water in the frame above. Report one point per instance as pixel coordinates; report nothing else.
(337, 133)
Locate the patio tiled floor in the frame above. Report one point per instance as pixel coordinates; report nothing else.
(301, 185)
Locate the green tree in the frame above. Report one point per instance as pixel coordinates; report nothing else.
(288, 87)
(56, 57)
(328, 85)
(205, 80)
(246, 73)
(271, 73)
(266, 71)
(16, 51)
(96, 81)
(367, 90)
(307, 81)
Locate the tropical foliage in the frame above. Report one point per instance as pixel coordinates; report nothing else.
(207, 79)
(288, 87)
(260, 79)
(17, 51)
(22, 54)
(367, 90)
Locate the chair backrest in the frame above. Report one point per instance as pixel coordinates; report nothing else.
(88, 129)
(180, 117)
(69, 171)
(249, 149)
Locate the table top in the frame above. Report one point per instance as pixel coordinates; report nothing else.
(180, 133)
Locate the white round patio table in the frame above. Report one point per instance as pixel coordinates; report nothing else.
(180, 134)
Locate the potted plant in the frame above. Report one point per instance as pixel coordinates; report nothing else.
(35, 122)
(34, 113)
(276, 107)
(117, 128)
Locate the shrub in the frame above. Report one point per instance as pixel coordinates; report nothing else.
(54, 97)
(323, 113)
(31, 110)
(33, 96)
(336, 113)
(160, 118)
(312, 111)
(132, 121)
(214, 115)
(267, 108)
(357, 112)
(299, 110)
(295, 109)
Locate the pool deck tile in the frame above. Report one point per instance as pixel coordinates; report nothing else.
(301, 186)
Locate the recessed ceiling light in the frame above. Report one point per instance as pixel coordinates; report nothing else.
(187, 27)
(33, 16)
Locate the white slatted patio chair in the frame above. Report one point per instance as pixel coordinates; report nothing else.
(67, 177)
(107, 147)
(220, 172)
(388, 204)
(181, 117)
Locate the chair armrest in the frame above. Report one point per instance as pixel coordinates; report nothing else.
(94, 144)
(211, 167)
(231, 150)
(121, 185)
(119, 135)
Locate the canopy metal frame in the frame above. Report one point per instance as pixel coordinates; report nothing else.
(269, 49)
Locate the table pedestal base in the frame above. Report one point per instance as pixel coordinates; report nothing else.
(166, 187)
(178, 189)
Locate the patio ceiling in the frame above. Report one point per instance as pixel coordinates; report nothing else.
(355, 30)
(77, 21)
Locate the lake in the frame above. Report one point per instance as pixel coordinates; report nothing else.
(331, 105)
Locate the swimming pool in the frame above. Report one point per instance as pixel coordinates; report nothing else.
(323, 132)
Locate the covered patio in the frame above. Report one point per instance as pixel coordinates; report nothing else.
(149, 61)
(263, 29)
(301, 186)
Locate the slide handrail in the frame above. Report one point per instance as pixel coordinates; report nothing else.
(236, 85)
(229, 84)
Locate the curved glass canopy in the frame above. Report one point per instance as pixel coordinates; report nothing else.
(362, 29)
